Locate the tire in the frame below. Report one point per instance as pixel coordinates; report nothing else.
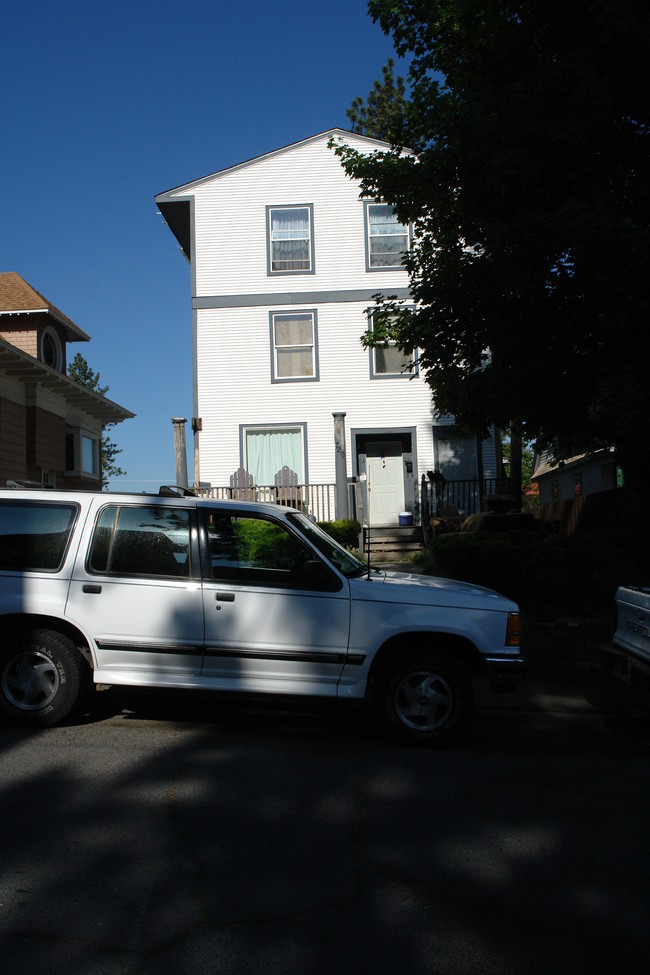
(41, 677)
(427, 699)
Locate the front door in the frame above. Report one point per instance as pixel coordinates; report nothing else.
(385, 483)
(276, 616)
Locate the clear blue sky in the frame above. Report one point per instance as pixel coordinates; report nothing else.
(107, 104)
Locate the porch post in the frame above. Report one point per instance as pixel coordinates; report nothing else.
(180, 451)
(340, 467)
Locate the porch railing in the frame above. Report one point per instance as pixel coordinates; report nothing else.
(468, 497)
(316, 500)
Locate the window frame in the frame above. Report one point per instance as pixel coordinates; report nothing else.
(375, 373)
(78, 435)
(368, 204)
(256, 575)
(194, 569)
(300, 427)
(273, 316)
(270, 210)
(50, 334)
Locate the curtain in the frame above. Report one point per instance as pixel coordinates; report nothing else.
(290, 240)
(268, 451)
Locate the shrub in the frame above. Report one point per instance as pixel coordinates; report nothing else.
(345, 532)
(547, 575)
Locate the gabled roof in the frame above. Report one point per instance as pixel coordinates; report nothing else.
(26, 369)
(174, 204)
(17, 297)
(545, 463)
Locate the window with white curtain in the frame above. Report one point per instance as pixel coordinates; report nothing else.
(386, 238)
(294, 346)
(269, 449)
(290, 239)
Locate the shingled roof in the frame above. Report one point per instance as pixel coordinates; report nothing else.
(17, 297)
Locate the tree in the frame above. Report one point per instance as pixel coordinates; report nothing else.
(528, 193)
(384, 115)
(80, 371)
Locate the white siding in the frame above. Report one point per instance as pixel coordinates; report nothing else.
(235, 388)
(230, 226)
(234, 294)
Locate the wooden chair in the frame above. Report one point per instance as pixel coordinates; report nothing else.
(241, 485)
(287, 491)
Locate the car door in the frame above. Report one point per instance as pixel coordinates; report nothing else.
(277, 616)
(138, 593)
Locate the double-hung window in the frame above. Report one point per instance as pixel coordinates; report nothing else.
(388, 361)
(294, 346)
(387, 239)
(290, 239)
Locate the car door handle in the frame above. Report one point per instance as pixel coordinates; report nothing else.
(93, 590)
(225, 597)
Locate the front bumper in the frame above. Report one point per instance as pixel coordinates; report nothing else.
(505, 672)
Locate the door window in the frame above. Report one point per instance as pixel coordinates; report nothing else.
(258, 551)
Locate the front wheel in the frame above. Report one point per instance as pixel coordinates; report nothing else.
(428, 699)
(41, 677)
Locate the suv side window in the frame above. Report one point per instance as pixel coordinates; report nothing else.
(258, 551)
(151, 540)
(35, 535)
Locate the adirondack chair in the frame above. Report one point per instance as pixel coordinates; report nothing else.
(241, 485)
(287, 490)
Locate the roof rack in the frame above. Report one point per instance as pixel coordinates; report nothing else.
(176, 490)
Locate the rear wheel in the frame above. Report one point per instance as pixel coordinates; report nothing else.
(41, 677)
(427, 699)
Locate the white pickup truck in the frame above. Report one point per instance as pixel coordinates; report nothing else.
(631, 640)
(167, 591)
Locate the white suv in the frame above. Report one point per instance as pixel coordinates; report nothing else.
(170, 591)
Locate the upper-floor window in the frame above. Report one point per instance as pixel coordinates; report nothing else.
(294, 346)
(82, 453)
(386, 238)
(290, 239)
(51, 350)
(388, 361)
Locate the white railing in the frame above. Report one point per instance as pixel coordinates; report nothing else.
(316, 500)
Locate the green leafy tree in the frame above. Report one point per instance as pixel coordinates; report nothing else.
(528, 191)
(80, 371)
(384, 115)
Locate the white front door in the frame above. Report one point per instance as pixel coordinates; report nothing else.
(385, 489)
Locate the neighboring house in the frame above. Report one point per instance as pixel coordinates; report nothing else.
(575, 477)
(285, 260)
(50, 426)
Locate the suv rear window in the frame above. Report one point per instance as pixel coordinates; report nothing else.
(152, 541)
(35, 535)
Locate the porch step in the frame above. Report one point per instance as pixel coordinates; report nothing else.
(394, 542)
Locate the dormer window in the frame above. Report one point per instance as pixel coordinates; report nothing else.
(51, 352)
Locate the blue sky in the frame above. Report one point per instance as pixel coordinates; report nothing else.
(107, 104)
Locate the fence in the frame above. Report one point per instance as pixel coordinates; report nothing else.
(318, 501)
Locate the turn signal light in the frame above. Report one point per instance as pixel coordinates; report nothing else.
(513, 630)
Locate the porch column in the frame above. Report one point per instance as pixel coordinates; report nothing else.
(180, 451)
(340, 467)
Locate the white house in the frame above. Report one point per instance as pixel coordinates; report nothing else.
(285, 260)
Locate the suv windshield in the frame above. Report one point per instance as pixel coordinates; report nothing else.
(344, 561)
